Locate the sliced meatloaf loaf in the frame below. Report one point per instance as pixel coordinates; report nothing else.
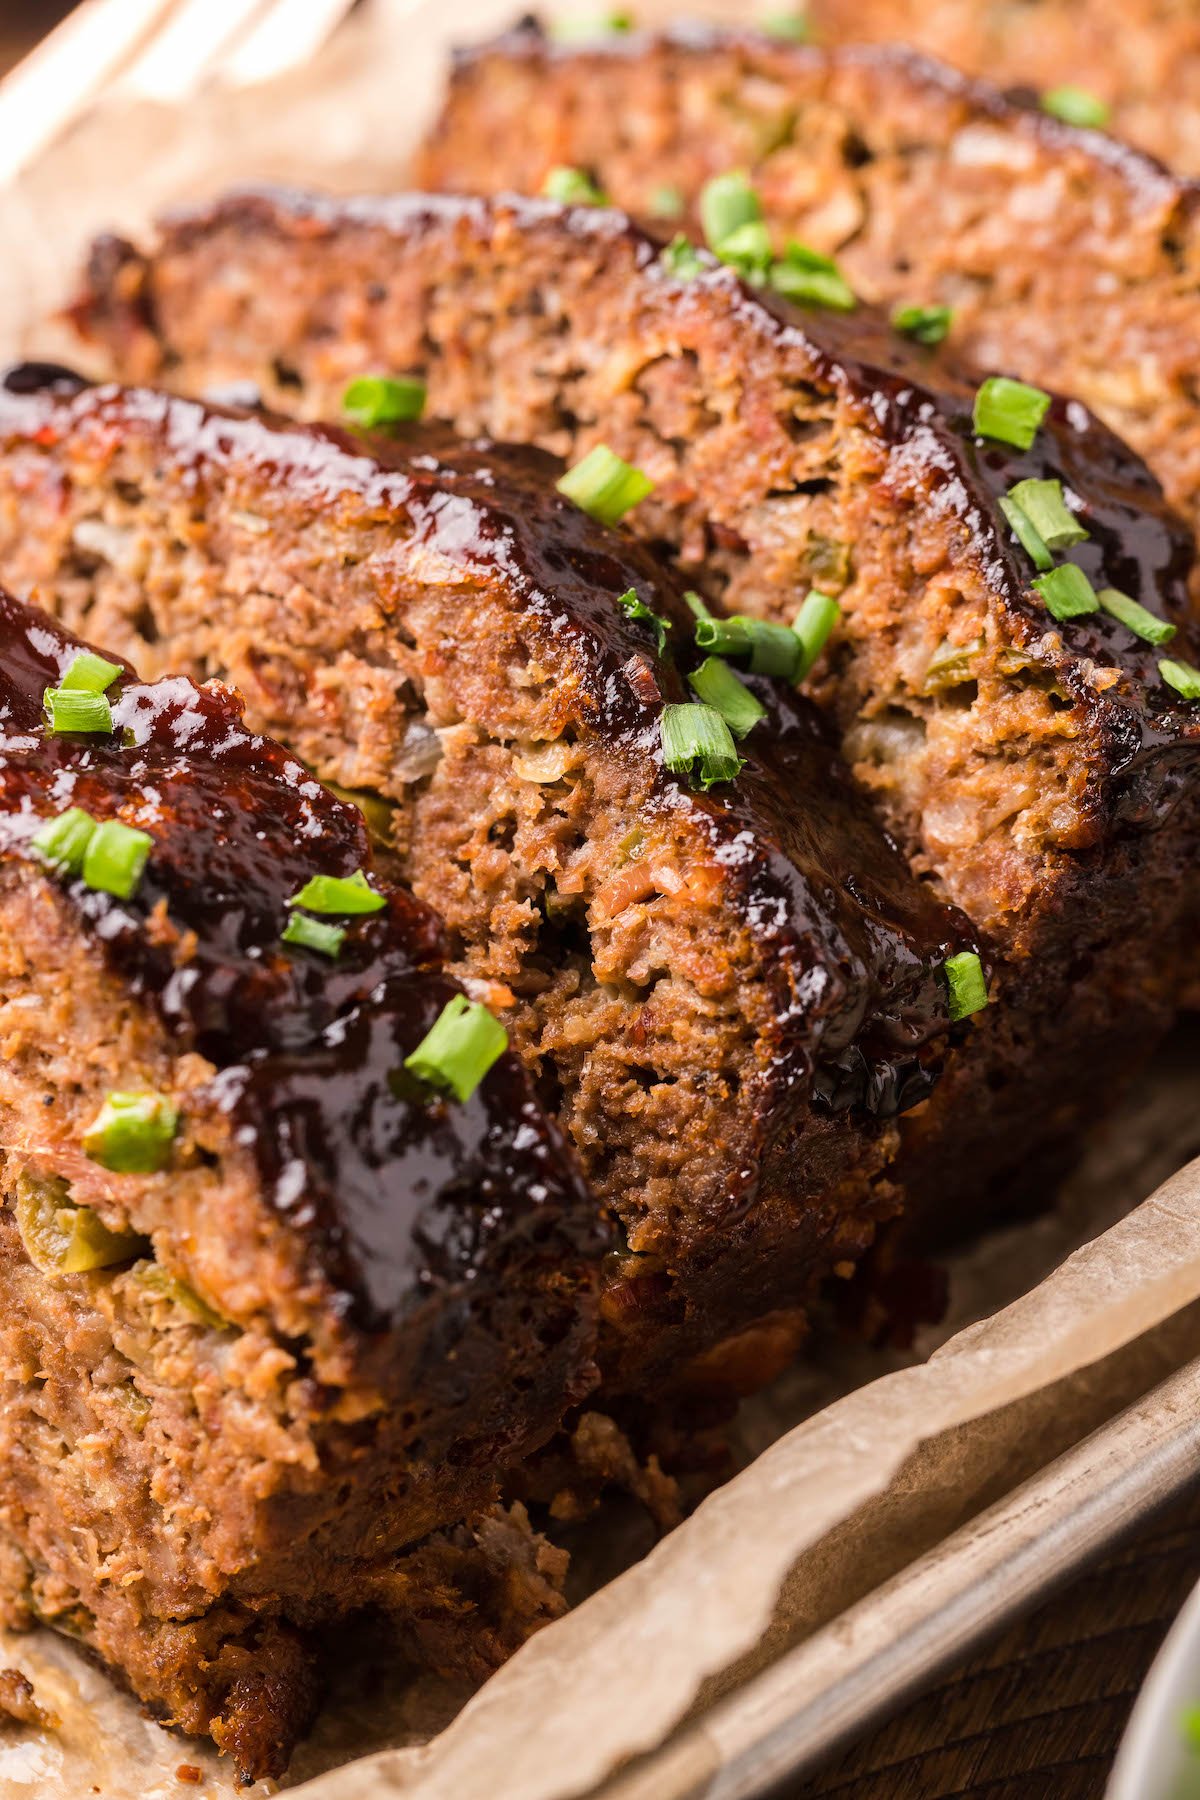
(283, 1294)
(1065, 258)
(1028, 763)
(727, 993)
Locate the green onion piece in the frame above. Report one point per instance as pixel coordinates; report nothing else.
(667, 202)
(459, 1048)
(1025, 533)
(696, 605)
(968, 988)
(813, 624)
(76, 709)
(697, 742)
(314, 934)
(792, 27)
(115, 857)
(924, 324)
(132, 1134)
(728, 637)
(772, 649)
(579, 30)
(342, 894)
(605, 486)
(90, 674)
(1067, 592)
(1184, 677)
(748, 250)
(1075, 106)
(727, 202)
(715, 683)
(681, 259)
(810, 279)
(572, 187)
(377, 402)
(64, 841)
(1010, 411)
(1134, 616)
(1043, 504)
(635, 608)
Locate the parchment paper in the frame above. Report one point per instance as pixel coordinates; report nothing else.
(890, 1453)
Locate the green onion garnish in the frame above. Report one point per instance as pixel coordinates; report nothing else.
(115, 857)
(459, 1048)
(90, 674)
(1010, 411)
(77, 709)
(376, 402)
(604, 486)
(667, 202)
(314, 934)
(772, 649)
(1067, 592)
(807, 277)
(579, 30)
(696, 605)
(813, 624)
(792, 27)
(1184, 677)
(715, 683)
(727, 202)
(572, 187)
(1075, 106)
(1043, 504)
(697, 742)
(635, 608)
(339, 894)
(1134, 616)
(748, 250)
(924, 324)
(968, 988)
(681, 259)
(132, 1134)
(1025, 533)
(64, 841)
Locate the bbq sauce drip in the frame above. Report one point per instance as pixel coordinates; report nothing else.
(400, 1192)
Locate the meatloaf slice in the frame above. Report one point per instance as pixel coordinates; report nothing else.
(276, 1305)
(1067, 259)
(1028, 765)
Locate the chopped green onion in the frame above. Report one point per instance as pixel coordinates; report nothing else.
(1075, 106)
(696, 605)
(772, 649)
(1025, 533)
(1067, 592)
(667, 202)
(1043, 504)
(90, 674)
(1010, 411)
(681, 259)
(605, 486)
(727, 202)
(715, 683)
(696, 742)
(810, 279)
(793, 27)
(75, 709)
(1184, 677)
(132, 1134)
(924, 324)
(64, 841)
(968, 988)
(340, 894)
(579, 30)
(572, 187)
(115, 857)
(813, 624)
(1135, 617)
(377, 402)
(459, 1048)
(313, 934)
(748, 250)
(635, 608)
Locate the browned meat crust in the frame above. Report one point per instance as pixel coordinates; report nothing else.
(1029, 769)
(18, 1702)
(1068, 259)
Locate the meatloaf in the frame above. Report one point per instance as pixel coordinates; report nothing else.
(280, 1299)
(726, 993)
(1030, 766)
(929, 190)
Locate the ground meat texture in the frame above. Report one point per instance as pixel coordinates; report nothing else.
(1030, 769)
(237, 1388)
(927, 187)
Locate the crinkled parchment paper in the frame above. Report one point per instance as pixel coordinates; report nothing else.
(858, 1461)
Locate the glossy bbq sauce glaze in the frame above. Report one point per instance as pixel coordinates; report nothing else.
(401, 1192)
